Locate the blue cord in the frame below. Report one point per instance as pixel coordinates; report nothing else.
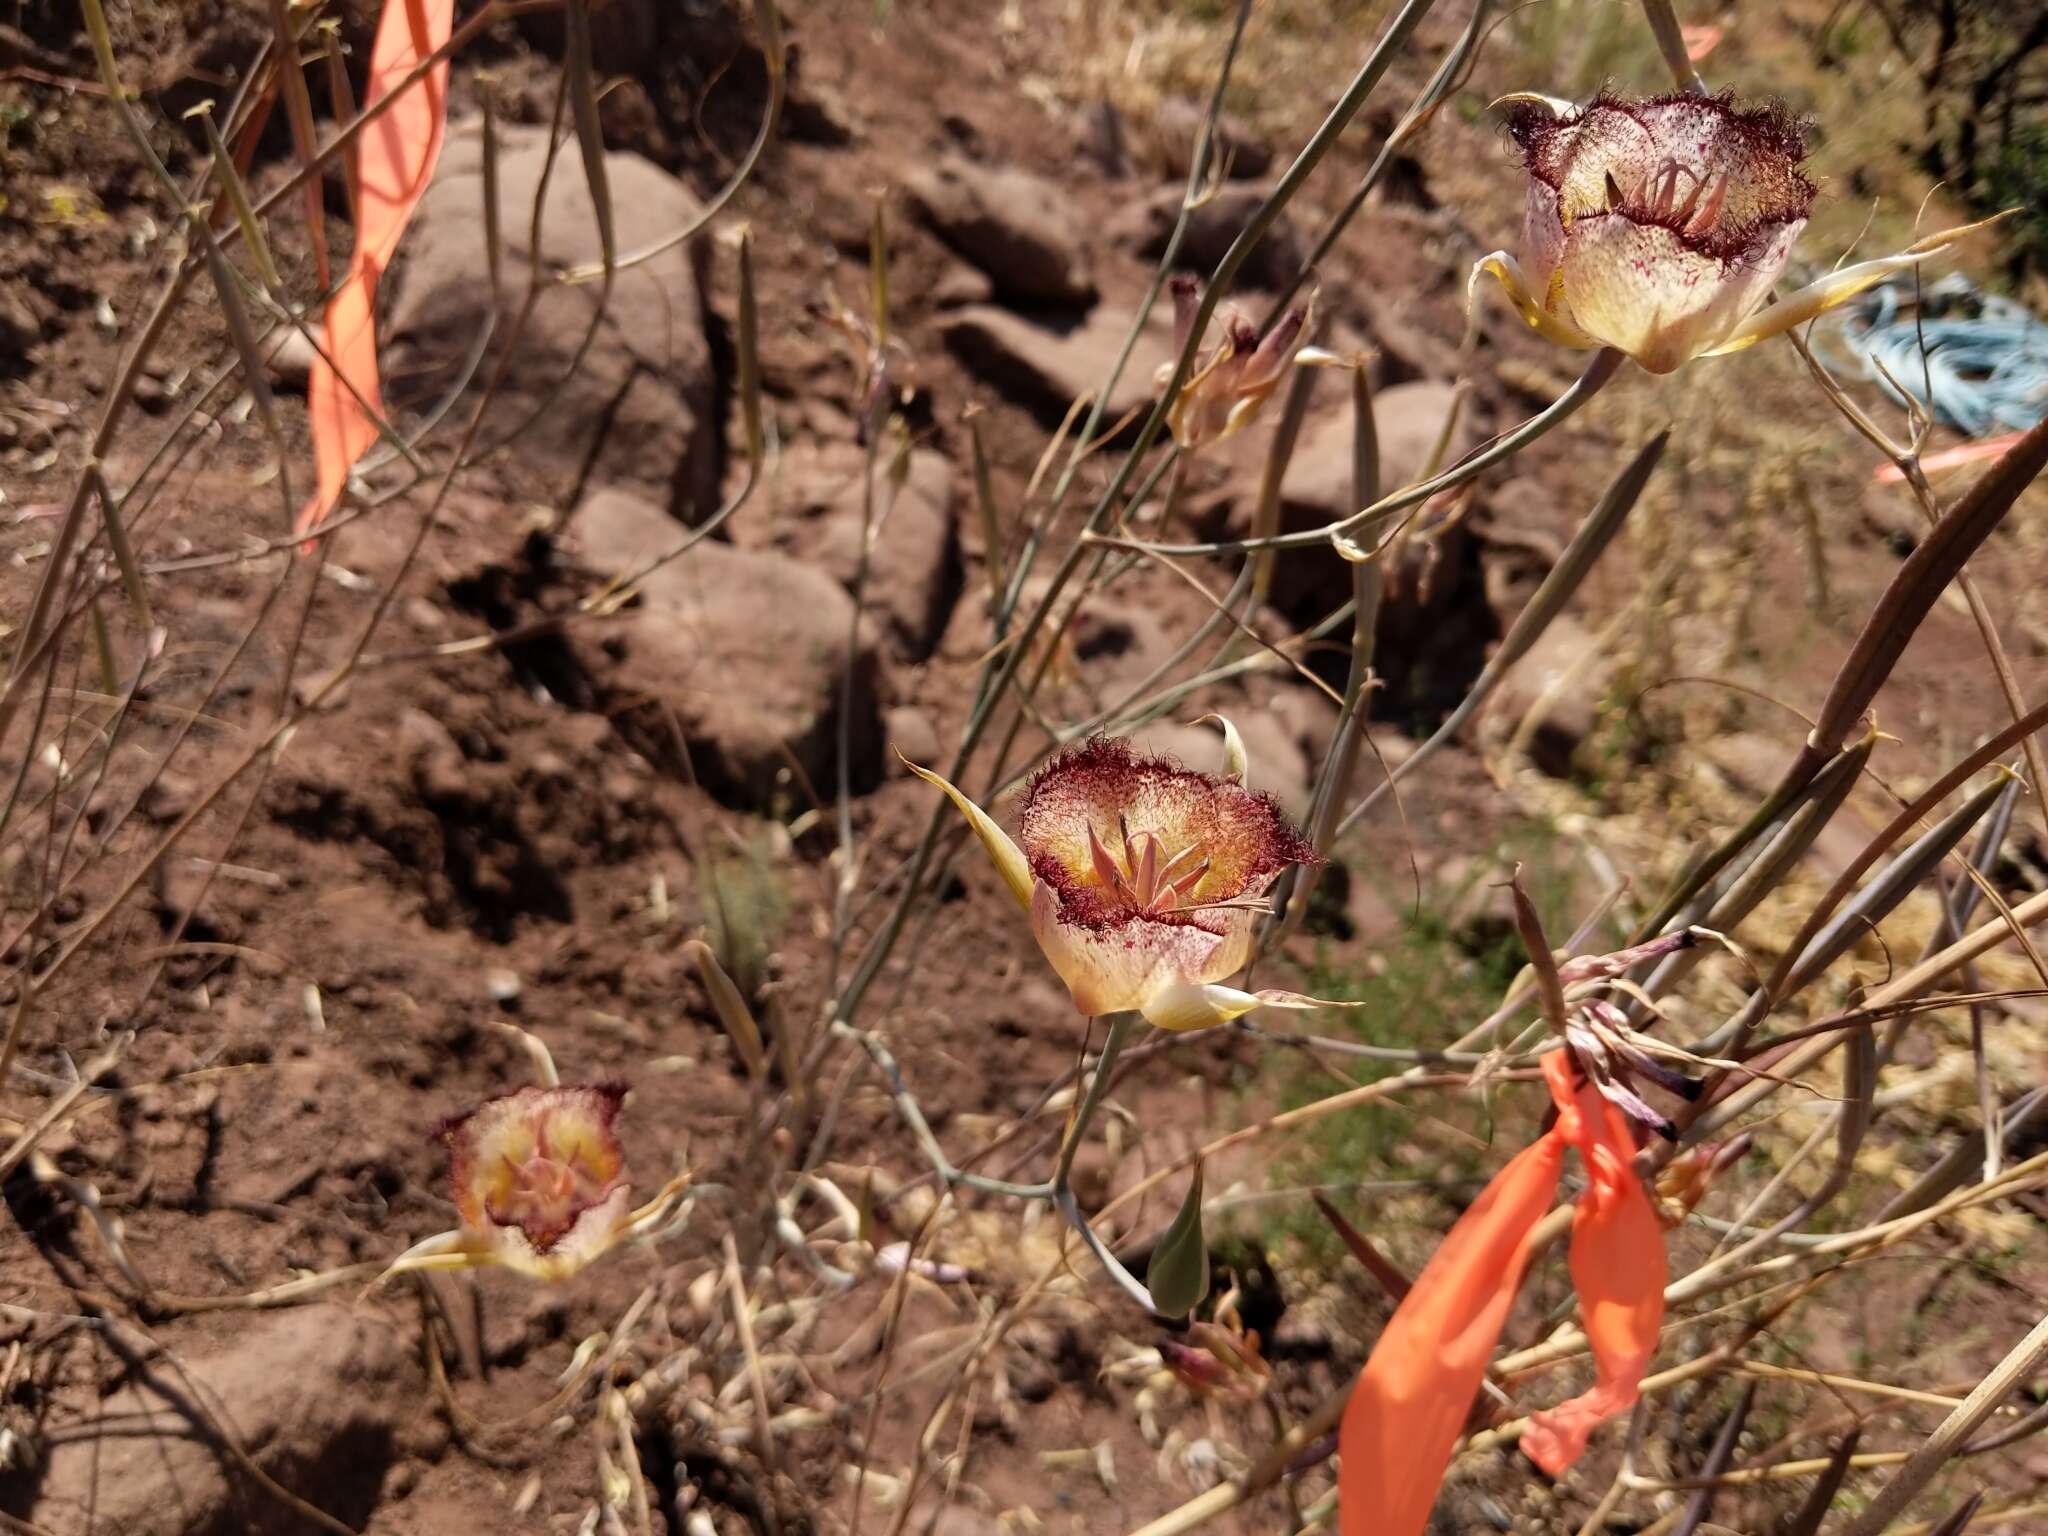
(1987, 357)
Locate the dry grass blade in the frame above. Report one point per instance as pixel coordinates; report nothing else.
(1876, 901)
(747, 355)
(589, 131)
(1912, 593)
(1360, 1247)
(2020, 1362)
(1558, 588)
(237, 193)
(992, 556)
(1890, 886)
(1542, 962)
(1805, 1520)
(124, 552)
(254, 374)
(1908, 817)
(1340, 761)
(1962, 905)
(298, 107)
(772, 52)
(1959, 1522)
(1701, 1504)
(1955, 1167)
(494, 216)
(1279, 454)
(1797, 827)
(731, 1009)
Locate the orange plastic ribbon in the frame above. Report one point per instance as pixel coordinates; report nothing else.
(1412, 1400)
(1617, 1264)
(395, 160)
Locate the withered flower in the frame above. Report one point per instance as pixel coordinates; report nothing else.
(1231, 381)
(538, 1177)
(1143, 880)
(1220, 1361)
(1659, 227)
(1684, 1181)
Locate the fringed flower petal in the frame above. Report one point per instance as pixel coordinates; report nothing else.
(1660, 227)
(1237, 839)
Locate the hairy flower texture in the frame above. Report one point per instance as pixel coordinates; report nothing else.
(538, 1177)
(1412, 1399)
(1232, 380)
(1659, 227)
(1143, 880)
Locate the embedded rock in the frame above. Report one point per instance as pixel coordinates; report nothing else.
(1167, 141)
(1146, 227)
(1017, 227)
(914, 565)
(749, 649)
(641, 409)
(1562, 681)
(309, 1394)
(1046, 366)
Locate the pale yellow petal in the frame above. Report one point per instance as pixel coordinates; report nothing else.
(1007, 857)
(1547, 325)
(1643, 289)
(1113, 967)
(1236, 761)
(1183, 1005)
(1838, 288)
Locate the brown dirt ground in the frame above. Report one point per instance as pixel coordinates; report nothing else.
(251, 1138)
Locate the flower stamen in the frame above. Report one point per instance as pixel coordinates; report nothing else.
(1709, 213)
(1149, 880)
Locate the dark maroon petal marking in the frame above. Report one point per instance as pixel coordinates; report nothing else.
(1626, 143)
(1245, 829)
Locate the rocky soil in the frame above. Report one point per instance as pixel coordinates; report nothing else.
(527, 830)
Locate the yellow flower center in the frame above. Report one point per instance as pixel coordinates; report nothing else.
(544, 1191)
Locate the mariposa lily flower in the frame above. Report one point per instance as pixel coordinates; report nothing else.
(539, 1178)
(1659, 227)
(1231, 381)
(1143, 879)
(1411, 1401)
